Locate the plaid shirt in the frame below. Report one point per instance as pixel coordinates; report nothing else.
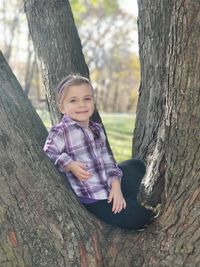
(69, 141)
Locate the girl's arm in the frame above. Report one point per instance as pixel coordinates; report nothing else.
(116, 197)
(79, 170)
(114, 179)
(112, 170)
(55, 148)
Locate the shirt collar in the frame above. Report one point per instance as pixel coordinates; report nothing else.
(67, 120)
(94, 126)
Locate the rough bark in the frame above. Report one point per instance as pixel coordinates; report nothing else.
(153, 27)
(182, 212)
(180, 137)
(42, 224)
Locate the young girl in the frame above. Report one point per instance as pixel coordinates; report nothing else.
(77, 146)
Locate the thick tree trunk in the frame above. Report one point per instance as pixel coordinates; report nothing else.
(149, 140)
(182, 124)
(177, 137)
(42, 224)
(56, 43)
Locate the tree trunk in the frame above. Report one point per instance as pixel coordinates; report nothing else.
(56, 43)
(42, 223)
(182, 127)
(149, 140)
(177, 138)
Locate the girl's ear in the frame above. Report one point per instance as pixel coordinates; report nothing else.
(60, 107)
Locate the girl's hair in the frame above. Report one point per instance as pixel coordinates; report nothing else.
(70, 80)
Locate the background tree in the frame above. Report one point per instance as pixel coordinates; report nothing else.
(9, 25)
(17, 47)
(107, 39)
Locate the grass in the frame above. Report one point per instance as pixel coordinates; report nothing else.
(119, 129)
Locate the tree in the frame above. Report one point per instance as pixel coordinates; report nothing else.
(107, 46)
(50, 228)
(36, 228)
(154, 25)
(9, 25)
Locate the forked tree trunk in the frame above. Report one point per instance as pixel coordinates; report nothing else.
(41, 223)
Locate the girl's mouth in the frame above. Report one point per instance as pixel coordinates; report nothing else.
(81, 112)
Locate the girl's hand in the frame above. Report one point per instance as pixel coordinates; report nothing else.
(116, 196)
(79, 170)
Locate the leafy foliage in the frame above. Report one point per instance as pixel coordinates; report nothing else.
(107, 36)
(81, 7)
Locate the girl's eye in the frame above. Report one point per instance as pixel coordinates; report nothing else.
(72, 101)
(88, 98)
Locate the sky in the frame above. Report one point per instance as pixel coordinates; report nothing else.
(130, 6)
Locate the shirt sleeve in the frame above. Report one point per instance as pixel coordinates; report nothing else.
(112, 170)
(55, 148)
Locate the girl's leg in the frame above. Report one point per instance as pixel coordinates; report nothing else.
(133, 217)
(133, 172)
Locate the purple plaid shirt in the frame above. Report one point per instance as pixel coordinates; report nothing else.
(69, 141)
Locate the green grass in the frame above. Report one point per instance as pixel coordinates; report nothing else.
(119, 129)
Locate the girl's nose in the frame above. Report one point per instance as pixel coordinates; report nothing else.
(82, 103)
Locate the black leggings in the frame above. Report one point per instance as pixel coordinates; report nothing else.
(134, 216)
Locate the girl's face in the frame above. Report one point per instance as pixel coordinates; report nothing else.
(78, 103)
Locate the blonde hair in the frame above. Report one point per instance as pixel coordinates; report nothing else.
(70, 80)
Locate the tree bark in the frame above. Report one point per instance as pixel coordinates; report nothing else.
(177, 137)
(153, 27)
(182, 122)
(42, 223)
